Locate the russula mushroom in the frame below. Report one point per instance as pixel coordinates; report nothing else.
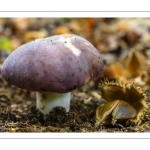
(53, 67)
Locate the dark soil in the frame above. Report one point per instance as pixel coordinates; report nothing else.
(18, 113)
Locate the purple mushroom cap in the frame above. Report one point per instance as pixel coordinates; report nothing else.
(59, 63)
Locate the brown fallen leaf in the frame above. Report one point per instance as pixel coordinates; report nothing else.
(117, 71)
(20, 24)
(32, 35)
(61, 30)
(133, 63)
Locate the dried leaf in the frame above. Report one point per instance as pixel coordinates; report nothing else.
(61, 30)
(131, 36)
(32, 35)
(20, 24)
(133, 63)
(75, 26)
(118, 71)
(16, 42)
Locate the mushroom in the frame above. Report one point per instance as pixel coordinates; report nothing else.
(53, 67)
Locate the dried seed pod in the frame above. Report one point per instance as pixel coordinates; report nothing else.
(124, 102)
(103, 112)
(111, 91)
(118, 110)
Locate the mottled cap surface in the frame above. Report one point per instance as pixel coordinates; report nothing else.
(59, 63)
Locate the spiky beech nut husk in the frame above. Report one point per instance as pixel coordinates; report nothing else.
(124, 102)
(115, 110)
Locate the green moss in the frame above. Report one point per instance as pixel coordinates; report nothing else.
(5, 44)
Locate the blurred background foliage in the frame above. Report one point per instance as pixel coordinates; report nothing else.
(115, 38)
(107, 34)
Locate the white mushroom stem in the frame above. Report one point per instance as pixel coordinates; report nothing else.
(45, 102)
